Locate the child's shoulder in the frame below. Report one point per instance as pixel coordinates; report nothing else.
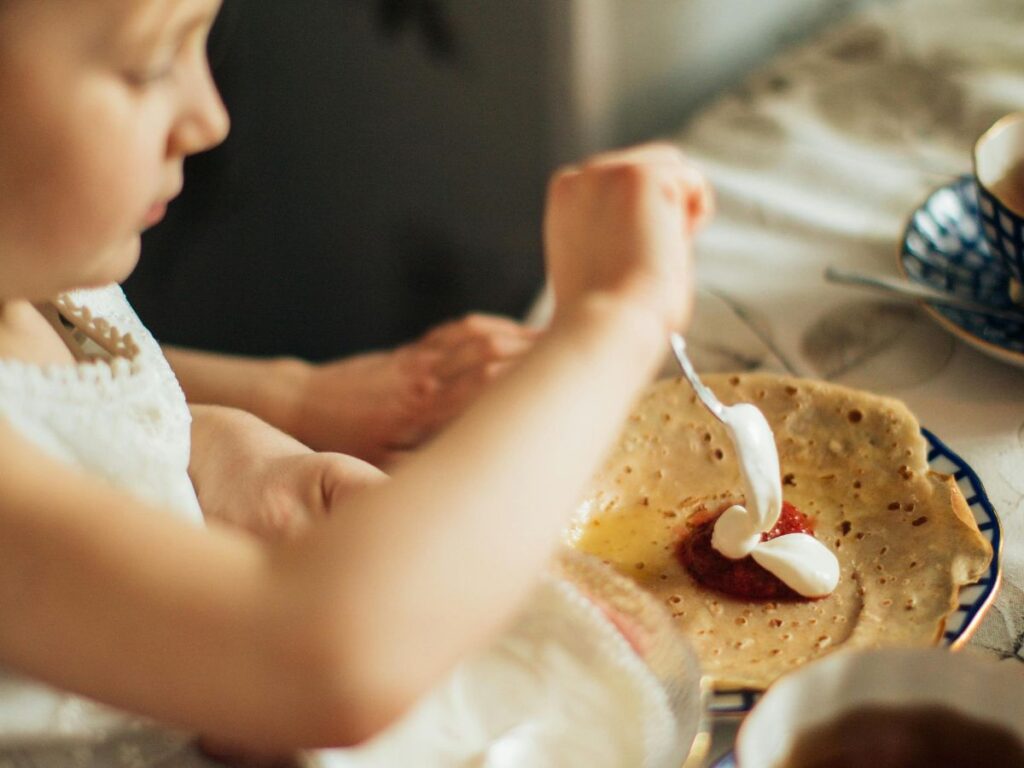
(114, 409)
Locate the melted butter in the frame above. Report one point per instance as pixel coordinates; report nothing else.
(798, 560)
(638, 541)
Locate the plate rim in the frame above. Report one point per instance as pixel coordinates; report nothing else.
(979, 608)
(1003, 354)
(992, 580)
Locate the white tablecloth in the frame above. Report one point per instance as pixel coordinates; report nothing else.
(820, 159)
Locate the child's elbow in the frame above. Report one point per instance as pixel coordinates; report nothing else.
(344, 720)
(347, 699)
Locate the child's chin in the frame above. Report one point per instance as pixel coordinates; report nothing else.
(117, 262)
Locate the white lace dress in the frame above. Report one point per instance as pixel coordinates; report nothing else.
(560, 688)
(120, 414)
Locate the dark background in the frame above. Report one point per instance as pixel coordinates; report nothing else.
(388, 158)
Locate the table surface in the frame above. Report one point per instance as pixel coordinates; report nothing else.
(820, 159)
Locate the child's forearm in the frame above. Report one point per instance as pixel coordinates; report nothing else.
(433, 563)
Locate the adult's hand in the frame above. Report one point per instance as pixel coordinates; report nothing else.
(375, 406)
(379, 405)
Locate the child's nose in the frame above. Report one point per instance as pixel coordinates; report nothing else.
(204, 122)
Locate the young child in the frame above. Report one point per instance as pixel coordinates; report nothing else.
(111, 590)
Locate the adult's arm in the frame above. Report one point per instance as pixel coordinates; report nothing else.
(376, 405)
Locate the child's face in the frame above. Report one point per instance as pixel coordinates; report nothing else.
(100, 103)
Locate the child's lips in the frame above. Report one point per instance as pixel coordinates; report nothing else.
(155, 214)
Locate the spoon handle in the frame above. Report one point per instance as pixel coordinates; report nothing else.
(705, 395)
(915, 291)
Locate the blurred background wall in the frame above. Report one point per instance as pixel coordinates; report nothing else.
(388, 158)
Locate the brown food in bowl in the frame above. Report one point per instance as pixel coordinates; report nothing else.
(905, 737)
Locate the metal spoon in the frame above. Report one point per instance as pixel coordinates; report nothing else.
(705, 395)
(910, 290)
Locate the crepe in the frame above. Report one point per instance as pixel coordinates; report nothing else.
(854, 462)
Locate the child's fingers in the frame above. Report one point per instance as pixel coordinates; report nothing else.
(451, 398)
(664, 155)
(700, 205)
(688, 186)
(476, 354)
(685, 182)
(459, 346)
(652, 152)
(476, 324)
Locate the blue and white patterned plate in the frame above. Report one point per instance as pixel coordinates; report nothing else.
(974, 599)
(943, 247)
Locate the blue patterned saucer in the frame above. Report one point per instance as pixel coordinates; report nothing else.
(943, 247)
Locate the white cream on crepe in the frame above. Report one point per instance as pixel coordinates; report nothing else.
(798, 560)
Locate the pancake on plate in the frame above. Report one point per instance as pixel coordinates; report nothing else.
(853, 462)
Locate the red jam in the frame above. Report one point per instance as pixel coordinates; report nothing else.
(740, 578)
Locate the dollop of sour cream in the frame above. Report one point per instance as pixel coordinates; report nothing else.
(798, 560)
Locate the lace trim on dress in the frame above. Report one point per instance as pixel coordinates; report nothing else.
(113, 350)
(98, 330)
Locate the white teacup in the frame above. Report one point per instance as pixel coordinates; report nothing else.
(999, 174)
(970, 688)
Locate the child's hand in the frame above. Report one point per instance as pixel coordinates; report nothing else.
(621, 225)
(285, 494)
(379, 405)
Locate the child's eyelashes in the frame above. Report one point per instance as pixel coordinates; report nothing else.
(159, 66)
(158, 62)
(141, 78)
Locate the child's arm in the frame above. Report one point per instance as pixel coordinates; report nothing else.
(250, 475)
(326, 638)
(375, 405)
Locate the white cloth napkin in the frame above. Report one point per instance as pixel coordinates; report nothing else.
(561, 687)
